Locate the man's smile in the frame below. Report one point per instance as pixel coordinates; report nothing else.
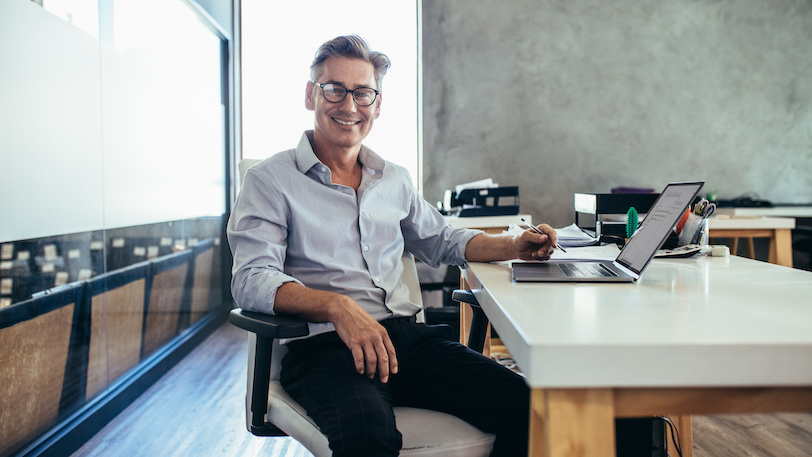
(344, 122)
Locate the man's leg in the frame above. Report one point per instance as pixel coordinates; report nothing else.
(355, 413)
(436, 373)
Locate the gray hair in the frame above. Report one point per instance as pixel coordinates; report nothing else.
(354, 47)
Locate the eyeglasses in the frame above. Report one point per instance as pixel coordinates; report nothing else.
(335, 93)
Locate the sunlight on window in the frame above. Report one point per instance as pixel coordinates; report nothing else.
(83, 14)
(279, 41)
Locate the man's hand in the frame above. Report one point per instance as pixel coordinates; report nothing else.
(528, 245)
(534, 246)
(368, 340)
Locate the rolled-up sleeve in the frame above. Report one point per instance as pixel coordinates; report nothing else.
(257, 235)
(431, 238)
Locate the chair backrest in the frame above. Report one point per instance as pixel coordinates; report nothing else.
(244, 165)
(35, 337)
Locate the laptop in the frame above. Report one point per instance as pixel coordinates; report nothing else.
(635, 255)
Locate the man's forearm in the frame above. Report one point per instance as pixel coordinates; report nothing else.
(489, 248)
(309, 304)
(529, 245)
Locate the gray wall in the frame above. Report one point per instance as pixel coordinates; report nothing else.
(585, 95)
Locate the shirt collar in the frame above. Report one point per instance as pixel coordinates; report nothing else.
(306, 158)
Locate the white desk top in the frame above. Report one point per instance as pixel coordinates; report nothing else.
(775, 211)
(701, 321)
(724, 222)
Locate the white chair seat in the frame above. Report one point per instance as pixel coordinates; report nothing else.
(421, 434)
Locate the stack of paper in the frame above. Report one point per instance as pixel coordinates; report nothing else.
(573, 236)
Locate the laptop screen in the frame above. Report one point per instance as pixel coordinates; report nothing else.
(656, 226)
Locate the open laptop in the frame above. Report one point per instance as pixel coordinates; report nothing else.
(635, 255)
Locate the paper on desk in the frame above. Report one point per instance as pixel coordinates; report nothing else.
(605, 252)
(572, 235)
(594, 252)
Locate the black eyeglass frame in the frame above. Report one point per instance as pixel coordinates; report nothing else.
(347, 91)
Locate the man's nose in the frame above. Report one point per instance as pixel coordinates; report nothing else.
(348, 103)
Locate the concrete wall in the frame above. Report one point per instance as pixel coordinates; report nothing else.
(563, 96)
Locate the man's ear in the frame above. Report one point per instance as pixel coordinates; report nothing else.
(378, 105)
(310, 103)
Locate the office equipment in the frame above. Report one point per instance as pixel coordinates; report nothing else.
(703, 335)
(601, 215)
(494, 201)
(636, 254)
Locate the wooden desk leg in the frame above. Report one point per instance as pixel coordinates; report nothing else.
(781, 247)
(685, 435)
(734, 246)
(751, 248)
(572, 423)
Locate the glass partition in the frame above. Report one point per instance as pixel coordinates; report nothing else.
(112, 194)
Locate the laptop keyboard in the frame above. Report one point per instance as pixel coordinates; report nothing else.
(584, 269)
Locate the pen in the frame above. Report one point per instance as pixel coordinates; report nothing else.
(533, 228)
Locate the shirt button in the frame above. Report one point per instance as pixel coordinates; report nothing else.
(377, 279)
(366, 248)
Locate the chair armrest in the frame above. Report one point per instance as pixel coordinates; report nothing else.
(465, 296)
(269, 325)
(479, 321)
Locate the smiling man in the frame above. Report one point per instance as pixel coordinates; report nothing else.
(319, 231)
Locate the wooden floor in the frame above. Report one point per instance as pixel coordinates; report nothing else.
(197, 409)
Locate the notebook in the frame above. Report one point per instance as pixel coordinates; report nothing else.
(635, 255)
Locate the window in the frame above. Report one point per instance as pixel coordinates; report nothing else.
(279, 40)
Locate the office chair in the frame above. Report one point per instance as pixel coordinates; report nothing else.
(802, 243)
(270, 411)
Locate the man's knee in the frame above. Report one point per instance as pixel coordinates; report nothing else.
(363, 433)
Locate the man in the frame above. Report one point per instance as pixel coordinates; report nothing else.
(319, 231)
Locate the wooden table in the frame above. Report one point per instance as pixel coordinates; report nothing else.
(702, 335)
(777, 229)
(786, 210)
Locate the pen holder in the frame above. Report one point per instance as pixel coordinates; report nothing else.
(695, 231)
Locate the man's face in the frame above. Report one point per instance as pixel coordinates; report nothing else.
(343, 124)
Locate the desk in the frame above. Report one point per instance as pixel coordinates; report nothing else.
(777, 229)
(702, 335)
(796, 211)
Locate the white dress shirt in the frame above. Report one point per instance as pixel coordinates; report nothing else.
(291, 223)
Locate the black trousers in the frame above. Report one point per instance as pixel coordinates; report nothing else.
(434, 372)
